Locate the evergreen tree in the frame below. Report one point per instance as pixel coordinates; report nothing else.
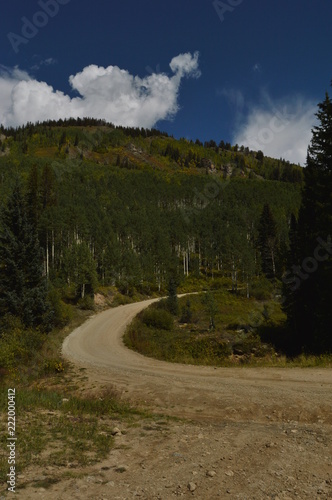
(32, 197)
(187, 315)
(267, 241)
(211, 309)
(308, 300)
(23, 290)
(172, 299)
(260, 156)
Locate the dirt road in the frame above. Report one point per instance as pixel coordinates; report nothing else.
(244, 433)
(201, 393)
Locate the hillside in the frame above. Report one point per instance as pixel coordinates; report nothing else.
(102, 143)
(132, 203)
(129, 205)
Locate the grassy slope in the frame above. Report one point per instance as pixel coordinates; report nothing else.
(247, 332)
(59, 423)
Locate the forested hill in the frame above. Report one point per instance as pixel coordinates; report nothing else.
(122, 206)
(103, 143)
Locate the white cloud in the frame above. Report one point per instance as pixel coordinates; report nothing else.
(281, 129)
(50, 61)
(108, 93)
(186, 64)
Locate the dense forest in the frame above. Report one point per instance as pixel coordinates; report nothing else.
(86, 205)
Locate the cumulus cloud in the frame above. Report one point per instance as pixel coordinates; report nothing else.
(281, 129)
(108, 93)
(185, 64)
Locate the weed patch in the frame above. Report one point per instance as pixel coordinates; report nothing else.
(58, 431)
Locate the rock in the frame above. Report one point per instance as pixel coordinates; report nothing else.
(116, 432)
(122, 468)
(73, 465)
(211, 473)
(270, 445)
(229, 473)
(192, 487)
(93, 479)
(39, 478)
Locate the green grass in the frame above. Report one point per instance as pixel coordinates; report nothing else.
(194, 343)
(57, 421)
(53, 430)
(246, 332)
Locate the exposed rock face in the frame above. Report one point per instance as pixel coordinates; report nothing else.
(209, 166)
(227, 169)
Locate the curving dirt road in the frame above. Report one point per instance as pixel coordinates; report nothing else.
(252, 433)
(303, 395)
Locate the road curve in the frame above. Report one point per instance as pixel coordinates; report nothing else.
(198, 392)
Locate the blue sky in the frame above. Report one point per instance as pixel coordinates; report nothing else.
(245, 71)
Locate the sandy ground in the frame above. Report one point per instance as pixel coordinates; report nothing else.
(243, 433)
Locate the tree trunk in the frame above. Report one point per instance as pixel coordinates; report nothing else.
(47, 257)
(53, 249)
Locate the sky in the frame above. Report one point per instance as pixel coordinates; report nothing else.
(249, 72)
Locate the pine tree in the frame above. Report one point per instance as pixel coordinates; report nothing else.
(211, 309)
(308, 300)
(172, 299)
(267, 241)
(32, 196)
(23, 289)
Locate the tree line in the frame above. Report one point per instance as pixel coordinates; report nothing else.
(127, 228)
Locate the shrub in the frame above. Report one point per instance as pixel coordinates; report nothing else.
(86, 304)
(62, 313)
(157, 318)
(186, 316)
(208, 349)
(18, 344)
(52, 366)
(262, 289)
(121, 300)
(250, 344)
